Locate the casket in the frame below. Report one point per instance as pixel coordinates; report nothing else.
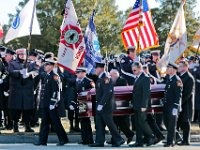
(122, 99)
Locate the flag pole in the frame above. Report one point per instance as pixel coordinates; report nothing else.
(31, 28)
(140, 21)
(197, 50)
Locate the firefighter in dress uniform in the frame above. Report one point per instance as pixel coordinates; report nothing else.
(172, 98)
(49, 101)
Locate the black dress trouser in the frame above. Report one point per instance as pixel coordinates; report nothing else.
(51, 117)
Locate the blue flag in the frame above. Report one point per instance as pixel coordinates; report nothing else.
(92, 46)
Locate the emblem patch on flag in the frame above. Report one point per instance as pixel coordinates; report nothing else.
(16, 22)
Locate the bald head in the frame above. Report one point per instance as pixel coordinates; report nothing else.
(114, 74)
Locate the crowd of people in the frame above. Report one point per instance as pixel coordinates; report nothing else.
(32, 86)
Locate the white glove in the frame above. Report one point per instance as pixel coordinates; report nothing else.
(6, 94)
(1, 81)
(23, 71)
(26, 75)
(99, 107)
(71, 107)
(174, 111)
(51, 107)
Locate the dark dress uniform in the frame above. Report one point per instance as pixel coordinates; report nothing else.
(187, 105)
(151, 119)
(141, 99)
(196, 74)
(7, 114)
(104, 97)
(2, 72)
(172, 98)
(152, 68)
(86, 129)
(123, 122)
(126, 69)
(21, 98)
(70, 98)
(49, 97)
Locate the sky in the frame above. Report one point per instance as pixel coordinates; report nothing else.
(9, 6)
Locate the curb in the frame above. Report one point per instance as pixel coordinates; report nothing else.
(73, 138)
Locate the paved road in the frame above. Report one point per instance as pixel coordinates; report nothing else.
(194, 146)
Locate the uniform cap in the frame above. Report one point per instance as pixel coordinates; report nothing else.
(9, 51)
(81, 69)
(33, 53)
(2, 48)
(100, 64)
(50, 61)
(131, 48)
(171, 64)
(155, 52)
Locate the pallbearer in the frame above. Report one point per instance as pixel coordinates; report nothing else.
(104, 100)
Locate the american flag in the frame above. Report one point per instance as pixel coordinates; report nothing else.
(139, 26)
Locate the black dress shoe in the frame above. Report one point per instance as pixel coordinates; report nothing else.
(130, 139)
(168, 145)
(15, 130)
(61, 143)
(109, 142)
(96, 145)
(158, 140)
(151, 141)
(86, 143)
(119, 143)
(136, 145)
(77, 130)
(29, 130)
(183, 143)
(39, 144)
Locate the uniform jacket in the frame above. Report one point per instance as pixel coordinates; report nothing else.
(104, 94)
(85, 84)
(126, 66)
(196, 73)
(49, 91)
(173, 93)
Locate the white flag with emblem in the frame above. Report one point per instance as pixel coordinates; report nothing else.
(24, 23)
(176, 42)
(196, 43)
(72, 47)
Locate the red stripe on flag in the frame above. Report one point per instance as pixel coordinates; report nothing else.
(134, 13)
(150, 25)
(130, 38)
(124, 39)
(142, 38)
(147, 35)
